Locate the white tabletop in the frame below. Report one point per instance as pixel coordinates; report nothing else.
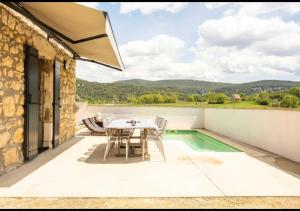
(141, 124)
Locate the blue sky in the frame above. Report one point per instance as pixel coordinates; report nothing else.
(228, 42)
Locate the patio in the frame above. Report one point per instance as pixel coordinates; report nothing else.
(76, 169)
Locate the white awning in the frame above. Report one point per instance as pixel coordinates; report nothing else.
(85, 30)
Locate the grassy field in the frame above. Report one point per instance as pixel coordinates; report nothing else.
(234, 105)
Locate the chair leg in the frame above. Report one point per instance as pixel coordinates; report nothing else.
(118, 147)
(158, 145)
(162, 150)
(127, 146)
(111, 146)
(143, 150)
(106, 150)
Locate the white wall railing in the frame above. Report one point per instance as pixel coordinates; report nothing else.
(178, 118)
(277, 131)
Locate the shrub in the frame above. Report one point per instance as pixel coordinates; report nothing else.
(275, 103)
(277, 95)
(289, 101)
(263, 99)
(195, 98)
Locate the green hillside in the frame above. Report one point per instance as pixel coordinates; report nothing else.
(119, 91)
(175, 83)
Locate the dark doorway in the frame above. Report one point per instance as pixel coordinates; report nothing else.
(32, 103)
(56, 103)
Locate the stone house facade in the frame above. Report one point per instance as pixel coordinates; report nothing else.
(16, 33)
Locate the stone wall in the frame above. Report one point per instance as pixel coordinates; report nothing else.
(14, 34)
(68, 109)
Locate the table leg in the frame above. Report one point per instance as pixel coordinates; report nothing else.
(146, 142)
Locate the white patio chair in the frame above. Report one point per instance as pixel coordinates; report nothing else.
(158, 122)
(157, 137)
(106, 121)
(116, 136)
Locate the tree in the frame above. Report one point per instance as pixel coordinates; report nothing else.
(132, 99)
(170, 99)
(158, 98)
(221, 98)
(289, 101)
(295, 91)
(147, 99)
(173, 99)
(214, 98)
(210, 97)
(190, 98)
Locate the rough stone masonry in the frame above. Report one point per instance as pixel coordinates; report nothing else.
(16, 31)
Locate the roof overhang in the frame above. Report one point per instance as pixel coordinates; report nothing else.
(86, 32)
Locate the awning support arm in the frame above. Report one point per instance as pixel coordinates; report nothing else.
(90, 60)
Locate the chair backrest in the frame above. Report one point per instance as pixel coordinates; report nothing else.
(93, 122)
(163, 129)
(158, 121)
(107, 121)
(161, 123)
(98, 116)
(88, 124)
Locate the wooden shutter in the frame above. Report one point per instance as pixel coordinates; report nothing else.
(32, 98)
(56, 103)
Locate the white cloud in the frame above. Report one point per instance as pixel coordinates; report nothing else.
(158, 45)
(216, 5)
(254, 8)
(246, 44)
(267, 7)
(154, 59)
(235, 46)
(148, 8)
(242, 31)
(230, 45)
(159, 58)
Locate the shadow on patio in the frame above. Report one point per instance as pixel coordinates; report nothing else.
(95, 155)
(18, 174)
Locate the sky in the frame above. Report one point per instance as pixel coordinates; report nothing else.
(221, 42)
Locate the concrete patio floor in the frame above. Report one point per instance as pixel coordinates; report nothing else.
(76, 169)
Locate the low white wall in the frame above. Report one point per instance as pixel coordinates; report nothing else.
(178, 118)
(276, 131)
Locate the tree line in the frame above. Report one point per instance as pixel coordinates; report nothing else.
(268, 93)
(289, 98)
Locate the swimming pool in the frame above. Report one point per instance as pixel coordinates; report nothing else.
(198, 141)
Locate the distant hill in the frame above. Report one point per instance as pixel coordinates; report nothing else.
(120, 90)
(174, 83)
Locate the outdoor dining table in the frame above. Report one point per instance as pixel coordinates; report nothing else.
(143, 124)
